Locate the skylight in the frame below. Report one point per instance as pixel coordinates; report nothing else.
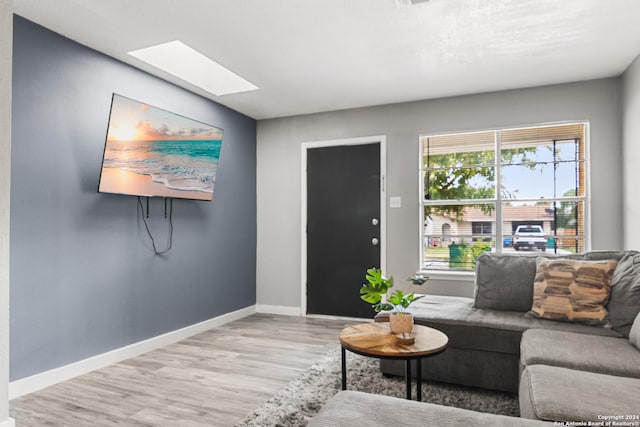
(186, 63)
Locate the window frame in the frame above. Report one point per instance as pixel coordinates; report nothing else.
(498, 199)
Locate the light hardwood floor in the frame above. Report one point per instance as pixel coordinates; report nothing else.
(215, 378)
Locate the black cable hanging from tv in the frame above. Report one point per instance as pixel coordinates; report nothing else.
(146, 226)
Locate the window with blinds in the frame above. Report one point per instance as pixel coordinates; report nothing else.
(479, 187)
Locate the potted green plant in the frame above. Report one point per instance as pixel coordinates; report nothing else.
(375, 292)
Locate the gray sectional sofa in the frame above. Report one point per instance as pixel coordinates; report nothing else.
(563, 371)
(485, 331)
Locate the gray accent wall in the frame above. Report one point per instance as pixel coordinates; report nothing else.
(83, 277)
(279, 170)
(631, 155)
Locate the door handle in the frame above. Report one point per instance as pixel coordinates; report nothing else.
(375, 221)
(375, 241)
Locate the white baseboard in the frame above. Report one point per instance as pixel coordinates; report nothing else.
(48, 378)
(9, 422)
(285, 310)
(345, 318)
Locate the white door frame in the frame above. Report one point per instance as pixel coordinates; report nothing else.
(376, 139)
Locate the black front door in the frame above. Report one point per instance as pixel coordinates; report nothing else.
(343, 227)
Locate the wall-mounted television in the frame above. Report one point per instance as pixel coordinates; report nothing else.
(153, 152)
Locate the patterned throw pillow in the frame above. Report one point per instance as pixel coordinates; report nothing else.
(572, 290)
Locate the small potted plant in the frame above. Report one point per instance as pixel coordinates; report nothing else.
(377, 287)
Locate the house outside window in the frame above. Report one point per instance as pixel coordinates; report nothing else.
(483, 185)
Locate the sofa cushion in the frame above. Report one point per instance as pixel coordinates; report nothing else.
(572, 290)
(634, 335)
(605, 355)
(624, 301)
(505, 281)
(560, 394)
(597, 255)
(353, 408)
(490, 330)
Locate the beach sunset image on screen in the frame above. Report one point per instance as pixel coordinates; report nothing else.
(156, 153)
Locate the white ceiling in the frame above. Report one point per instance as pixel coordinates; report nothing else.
(308, 56)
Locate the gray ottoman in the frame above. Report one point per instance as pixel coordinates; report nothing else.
(560, 394)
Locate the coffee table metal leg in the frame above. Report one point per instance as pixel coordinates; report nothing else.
(344, 369)
(408, 377)
(419, 380)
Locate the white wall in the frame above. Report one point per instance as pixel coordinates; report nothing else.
(6, 43)
(631, 154)
(278, 169)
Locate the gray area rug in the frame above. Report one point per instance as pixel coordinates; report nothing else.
(303, 397)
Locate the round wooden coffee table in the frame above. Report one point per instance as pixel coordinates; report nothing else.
(376, 340)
